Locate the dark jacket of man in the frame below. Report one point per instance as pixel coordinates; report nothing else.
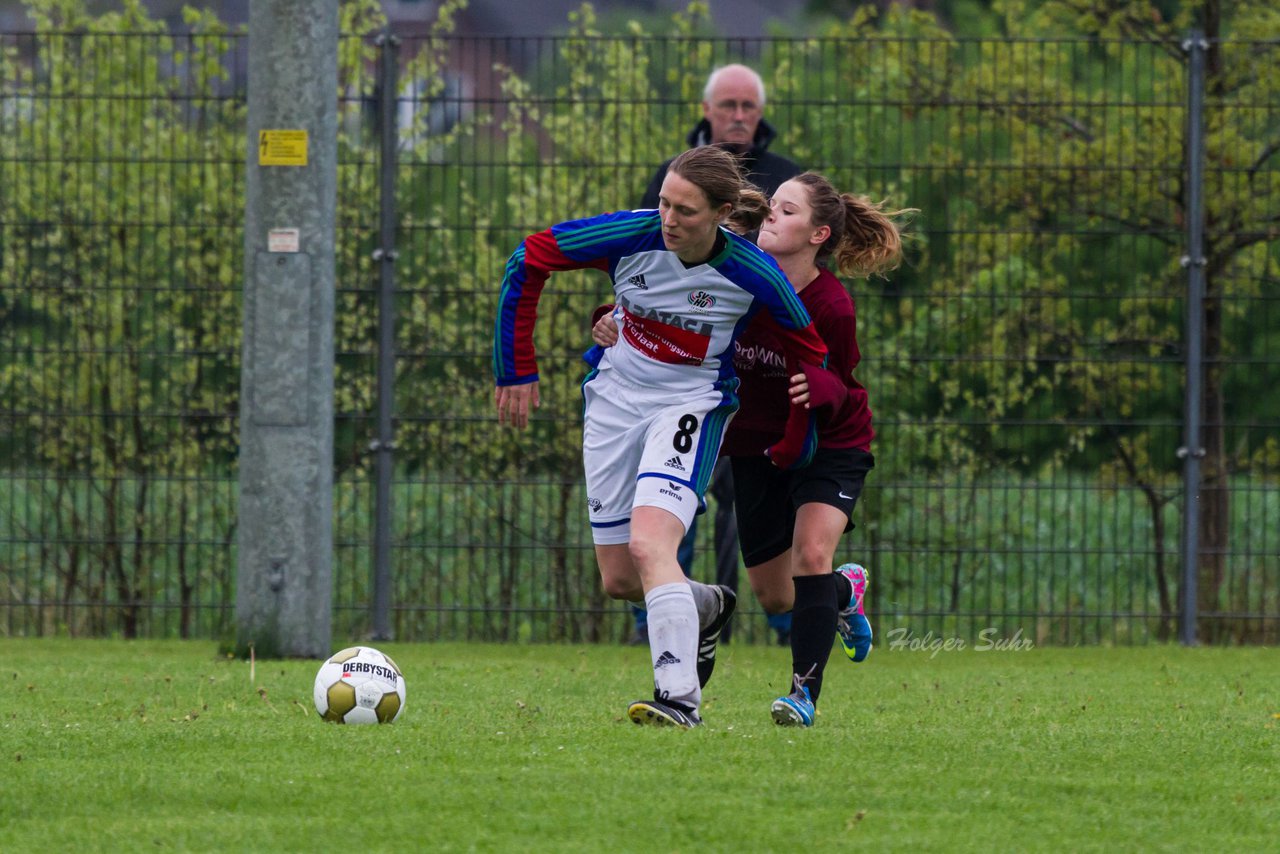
(764, 169)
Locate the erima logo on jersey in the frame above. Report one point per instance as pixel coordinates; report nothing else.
(594, 504)
(665, 659)
(672, 489)
(674, 463)
(638, 281)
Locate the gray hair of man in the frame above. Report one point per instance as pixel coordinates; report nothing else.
(715, 76)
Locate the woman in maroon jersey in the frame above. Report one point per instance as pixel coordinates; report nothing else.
(790, 522)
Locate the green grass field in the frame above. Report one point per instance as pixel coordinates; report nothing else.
(119, 746)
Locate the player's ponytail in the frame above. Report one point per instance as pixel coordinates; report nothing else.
(872, 241)
(750, 211)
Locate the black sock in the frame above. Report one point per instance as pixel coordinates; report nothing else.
(813, 626)
(844, 590)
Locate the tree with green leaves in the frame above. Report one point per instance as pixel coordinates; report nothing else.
(123, 320)
(1064, 154)
(1240, 220)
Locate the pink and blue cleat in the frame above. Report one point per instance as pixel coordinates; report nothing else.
(853, 626)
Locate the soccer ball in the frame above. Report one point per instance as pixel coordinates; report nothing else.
(359, 685)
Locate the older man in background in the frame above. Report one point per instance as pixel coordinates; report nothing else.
(733, 117)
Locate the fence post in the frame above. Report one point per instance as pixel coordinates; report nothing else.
(1191, 452)
(385, 255)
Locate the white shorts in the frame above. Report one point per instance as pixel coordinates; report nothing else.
(648, 447)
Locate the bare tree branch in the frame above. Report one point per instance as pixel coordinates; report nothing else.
(1272, 148)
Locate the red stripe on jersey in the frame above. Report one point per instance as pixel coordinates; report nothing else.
(541, 252)
(542, 256)
(663, 342)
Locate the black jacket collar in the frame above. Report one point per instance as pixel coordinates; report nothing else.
(765, 135)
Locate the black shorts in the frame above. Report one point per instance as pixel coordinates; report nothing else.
(766, 498)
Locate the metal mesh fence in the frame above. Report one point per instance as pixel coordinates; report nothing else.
(1026, 366)
(121, 162)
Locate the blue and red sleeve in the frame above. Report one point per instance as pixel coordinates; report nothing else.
(535, 259)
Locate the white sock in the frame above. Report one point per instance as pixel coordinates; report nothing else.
(673, 643)
(704, 597)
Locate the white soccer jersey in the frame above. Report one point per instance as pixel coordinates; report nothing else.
(657, 403)
(678, 323)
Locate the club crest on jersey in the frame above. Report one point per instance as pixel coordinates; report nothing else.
(701, 299)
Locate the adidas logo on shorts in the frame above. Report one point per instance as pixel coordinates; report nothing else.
(674, 463)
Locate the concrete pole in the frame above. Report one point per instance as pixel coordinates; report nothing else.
(285, 565)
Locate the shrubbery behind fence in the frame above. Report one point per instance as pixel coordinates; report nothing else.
(1027, 366)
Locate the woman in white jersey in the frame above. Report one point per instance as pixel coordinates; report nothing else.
(658, 403)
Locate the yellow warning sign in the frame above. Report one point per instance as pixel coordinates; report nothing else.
(282, 148)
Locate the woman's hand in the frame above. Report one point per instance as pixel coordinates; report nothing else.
(513, 403)
(799, 390)
(605, 332)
